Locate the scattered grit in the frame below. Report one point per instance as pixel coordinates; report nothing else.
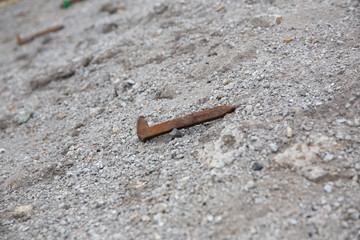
(284, 165)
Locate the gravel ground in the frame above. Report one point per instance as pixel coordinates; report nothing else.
(284, 165)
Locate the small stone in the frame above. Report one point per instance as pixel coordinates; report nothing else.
(341, 120)
(307, 126)
(24, 210)
(313, 173)
(165, 93)
(357, 166)
(210, 218)
(130, 82)
(257, 166)
(2, 150)
(314, 40)
(250, 185)
(339, 136)
(218, 219)
(293, 221)
(348, 105)
(69, 144)
(96, 111)
(115, 129)
(344, 224)
(352, 214)
(24, 115)
(157, 217)
(145, 218)
(328, 188)
(329, 157)
(312, 230)
(159, 32)
(302, 93)
(221, 9)
(289, 132)
(225, 82)
(265, 21)
(253, 138)
(273, 147)
(175, 133)
(287, 39)
(108, 27)
(357, 122)
(248, 109)
(349, 123)
(61, 116)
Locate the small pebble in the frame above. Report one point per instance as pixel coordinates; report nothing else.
(115, 129)
(303, 93)
(175, 133)
(328, 188)
(218, 219)
(293, 221)
(225, 82)
(24, 116)
(250, 185)
(307, 126)
(130, 82)
(253, 138)
(221, 8)
(257, 166)
(23, 210)
(289, 132)
(348, 137)
(349, 123)
(265, 21)
(329, 157)
(352, 214)
(357, 122)
(273, 147)
(248, 109)
(145, 218)
(287, 39)
(157, 217)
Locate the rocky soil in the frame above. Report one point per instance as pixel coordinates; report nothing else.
(284, 165)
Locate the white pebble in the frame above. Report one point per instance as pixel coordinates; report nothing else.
(328, 157)
(273, 147)
(328, 188)
(250, 185)
(23, 210)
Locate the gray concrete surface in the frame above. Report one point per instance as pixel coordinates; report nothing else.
(284, 165)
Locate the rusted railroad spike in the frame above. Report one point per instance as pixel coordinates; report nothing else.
(28, 39)
(67, 3)
(145, 132)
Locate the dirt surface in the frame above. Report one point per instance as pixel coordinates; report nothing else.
(284, 165)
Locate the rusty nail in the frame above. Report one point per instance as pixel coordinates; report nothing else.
(145, 132)
(28, 39)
